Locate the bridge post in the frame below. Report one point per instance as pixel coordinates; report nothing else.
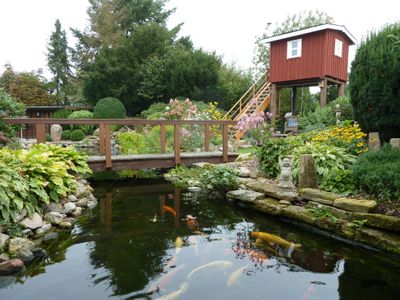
(102, 139)
(108, 146)
(40, 133)
(225, 131)
(162, 138)
(177, 144)
(206, 137)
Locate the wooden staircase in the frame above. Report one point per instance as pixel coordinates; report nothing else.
(255, 100)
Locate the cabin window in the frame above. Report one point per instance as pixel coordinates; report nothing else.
(294, 48)
(338, 47)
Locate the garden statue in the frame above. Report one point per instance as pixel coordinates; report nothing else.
(338, 114)
(285, 178)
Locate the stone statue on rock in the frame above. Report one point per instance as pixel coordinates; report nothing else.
(56, 132)
(285, 177)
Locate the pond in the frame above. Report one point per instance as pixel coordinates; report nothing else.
(137, 244)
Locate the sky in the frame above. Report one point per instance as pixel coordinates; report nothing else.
(228, 27)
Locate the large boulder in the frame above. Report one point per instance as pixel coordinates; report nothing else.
(11, 266)
(56, 132)
(34, 222)
(265, 186)
(54, 218)
(355, 205)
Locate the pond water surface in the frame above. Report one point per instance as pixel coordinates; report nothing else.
(137, 244)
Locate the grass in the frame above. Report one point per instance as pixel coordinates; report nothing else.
(246, 150)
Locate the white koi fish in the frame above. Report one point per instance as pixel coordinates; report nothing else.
(164, 280)
(235, 276)
(178, 244)
(176, 294)
(219, 264)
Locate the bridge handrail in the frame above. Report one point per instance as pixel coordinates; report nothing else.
(105, 131)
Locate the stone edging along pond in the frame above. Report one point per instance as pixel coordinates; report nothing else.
(57, 216)
(350, 218)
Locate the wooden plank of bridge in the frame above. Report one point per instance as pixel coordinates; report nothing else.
(108, 146)
(206, 137)
(40, 133)
(225, 131)
(177, 144)
(162, 138)
(102, 141)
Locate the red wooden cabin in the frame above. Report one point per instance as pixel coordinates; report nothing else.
(315, 56)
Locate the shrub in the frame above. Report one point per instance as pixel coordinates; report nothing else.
(48, 137)
(9, 108)
(82, 114)
(154, 109)
(109, 108)
(131, 142)
(61, 114)
(77, 135)
(31, 178)
(339, 181)
(375, 83)
(323, 117)
(221, 178)
(377, 173)
(66, 134)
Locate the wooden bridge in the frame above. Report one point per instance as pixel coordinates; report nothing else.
(106, 161)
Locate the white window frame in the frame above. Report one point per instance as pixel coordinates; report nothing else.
(290, 49)
(338, 49)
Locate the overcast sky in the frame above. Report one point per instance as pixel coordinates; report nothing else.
(227, 26)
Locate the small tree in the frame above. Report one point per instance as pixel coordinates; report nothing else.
(375, 83)
(58, 61)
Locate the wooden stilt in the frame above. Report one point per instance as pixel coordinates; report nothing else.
(323, 84)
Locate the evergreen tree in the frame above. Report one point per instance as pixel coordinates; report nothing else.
(375, 83)
(58, 61)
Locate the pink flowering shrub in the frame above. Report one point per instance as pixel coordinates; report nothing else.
(180, 110)
(255, 126)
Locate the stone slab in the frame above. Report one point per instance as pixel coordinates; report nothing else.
(380, 239)
(245, 195)
(270, 206)
(299, 213)
(317, 195)
(379, 221)
(355, 205)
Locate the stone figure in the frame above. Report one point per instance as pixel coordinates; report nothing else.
(56, 132)
(285, 178)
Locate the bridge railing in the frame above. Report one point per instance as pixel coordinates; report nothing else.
(105, 131)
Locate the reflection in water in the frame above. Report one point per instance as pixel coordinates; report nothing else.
(145, 242)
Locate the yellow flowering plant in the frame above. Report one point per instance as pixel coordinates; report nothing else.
(346, 135)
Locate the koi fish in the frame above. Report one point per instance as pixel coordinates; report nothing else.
(164, 280)
(174, 295)
(235, 276)
(178, 244)
(169, 210)
(154, 219)
(219, 264)
(273, 239)
(192, 223)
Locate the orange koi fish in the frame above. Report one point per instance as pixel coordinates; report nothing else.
(169, 210)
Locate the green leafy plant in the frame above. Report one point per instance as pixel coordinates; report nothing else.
(48, 137)
(9, 108)
(131, 142)
(61, 114)
(322, 213)
(339, 181)
(66, 134)
(77, 135)
(109, 108)
(221, 178)
(82, 114)
(377, 173)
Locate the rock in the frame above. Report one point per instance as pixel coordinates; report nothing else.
(256, 173)
(56, 132)
(39, 253)
(42, 230)
(4, 257)
(380, 239)
(54, 218)
(92, 204)
(355, 205)
(65, 225)
(82, 202)
(244, 172)
(269, 206)
(34, 222)
(374, 141)
(28, 232)
(3, 240)
(379, 221)
(89, 189)
(298, 213)
(336, 212)
(245, 157)
(265, 186)
(307, 174)
(284, 202)
(288, 194)
(317, 195)
(50, 236)
(11, 266)
(72, 198)
(96, 132)
(26, 255)
(77, 212)
(17, 244)
(56, 207)
(245, 180)
(245, 195)
(91, 197)
(69, 207)
(395, 142)
(203, 165)
(20, 215)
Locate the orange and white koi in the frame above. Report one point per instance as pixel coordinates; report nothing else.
(169, 210)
